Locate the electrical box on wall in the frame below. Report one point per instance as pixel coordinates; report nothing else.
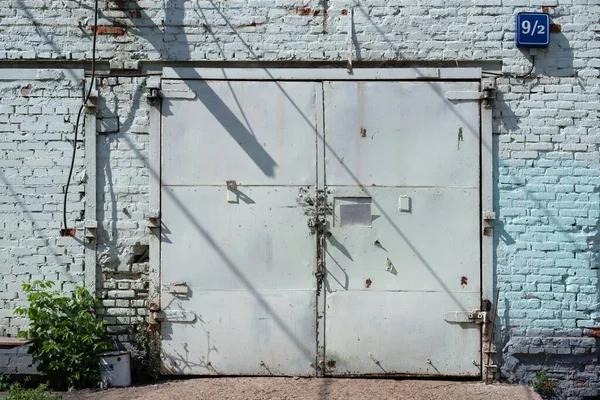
(532, 29)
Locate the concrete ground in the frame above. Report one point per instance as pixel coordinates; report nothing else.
(310, 388)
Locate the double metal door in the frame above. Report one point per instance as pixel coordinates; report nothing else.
(314, 228)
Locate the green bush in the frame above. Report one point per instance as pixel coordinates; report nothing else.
(66, 335)
(145, 354)
(544, 386)
(15, 391)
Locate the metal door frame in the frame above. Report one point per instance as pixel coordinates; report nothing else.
(486, 213)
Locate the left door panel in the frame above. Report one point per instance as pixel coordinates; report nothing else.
(238, 292)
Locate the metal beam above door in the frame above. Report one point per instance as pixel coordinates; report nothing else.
(321, 74)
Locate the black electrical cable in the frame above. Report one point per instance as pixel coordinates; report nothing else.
(525, 75)
(65, 231)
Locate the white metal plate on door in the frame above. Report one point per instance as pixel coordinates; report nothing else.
(423, 246)
(400, 134)
(260, 243)
(414, 156)
(395, 332)
(236, 158)
(256, 133)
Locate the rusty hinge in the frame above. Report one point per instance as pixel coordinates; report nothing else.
(153, 96)
(466, 317)
(488, 218)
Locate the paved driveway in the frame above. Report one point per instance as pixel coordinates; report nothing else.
(310, 388)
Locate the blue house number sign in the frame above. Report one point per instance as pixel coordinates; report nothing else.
(533, 30)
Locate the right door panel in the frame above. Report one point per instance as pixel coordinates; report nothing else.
(402, 176)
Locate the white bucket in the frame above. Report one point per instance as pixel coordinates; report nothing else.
(115, 370)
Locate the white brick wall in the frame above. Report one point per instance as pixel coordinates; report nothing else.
(546, 134)
(38, 110)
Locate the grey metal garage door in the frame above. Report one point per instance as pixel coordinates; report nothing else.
(319, 227)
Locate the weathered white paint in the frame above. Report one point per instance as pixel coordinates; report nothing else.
(248, 262)
(401, 332)
(240, 160)
(389, 283)
(256, 133)
(545, 138)
(401, 134)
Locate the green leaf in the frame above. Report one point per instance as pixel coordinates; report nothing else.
(66, 335)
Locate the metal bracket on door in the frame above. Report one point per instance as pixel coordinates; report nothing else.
(486, 94)
(179, 288)
(320, 273)
(153, 96)
(318, 225)
(466, 317)
(174, 316)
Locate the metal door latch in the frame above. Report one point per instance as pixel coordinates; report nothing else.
(232, 192)
(316, 223)
(466, 317)
(320, 274)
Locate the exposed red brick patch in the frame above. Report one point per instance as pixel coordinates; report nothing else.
(307, 12)
(595, 332)
(26, 91)
(555, 28)
(344, 12)
(109, 30)
(67, 232)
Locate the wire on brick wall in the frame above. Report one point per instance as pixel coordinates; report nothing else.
(66, 231)
(525, 75)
